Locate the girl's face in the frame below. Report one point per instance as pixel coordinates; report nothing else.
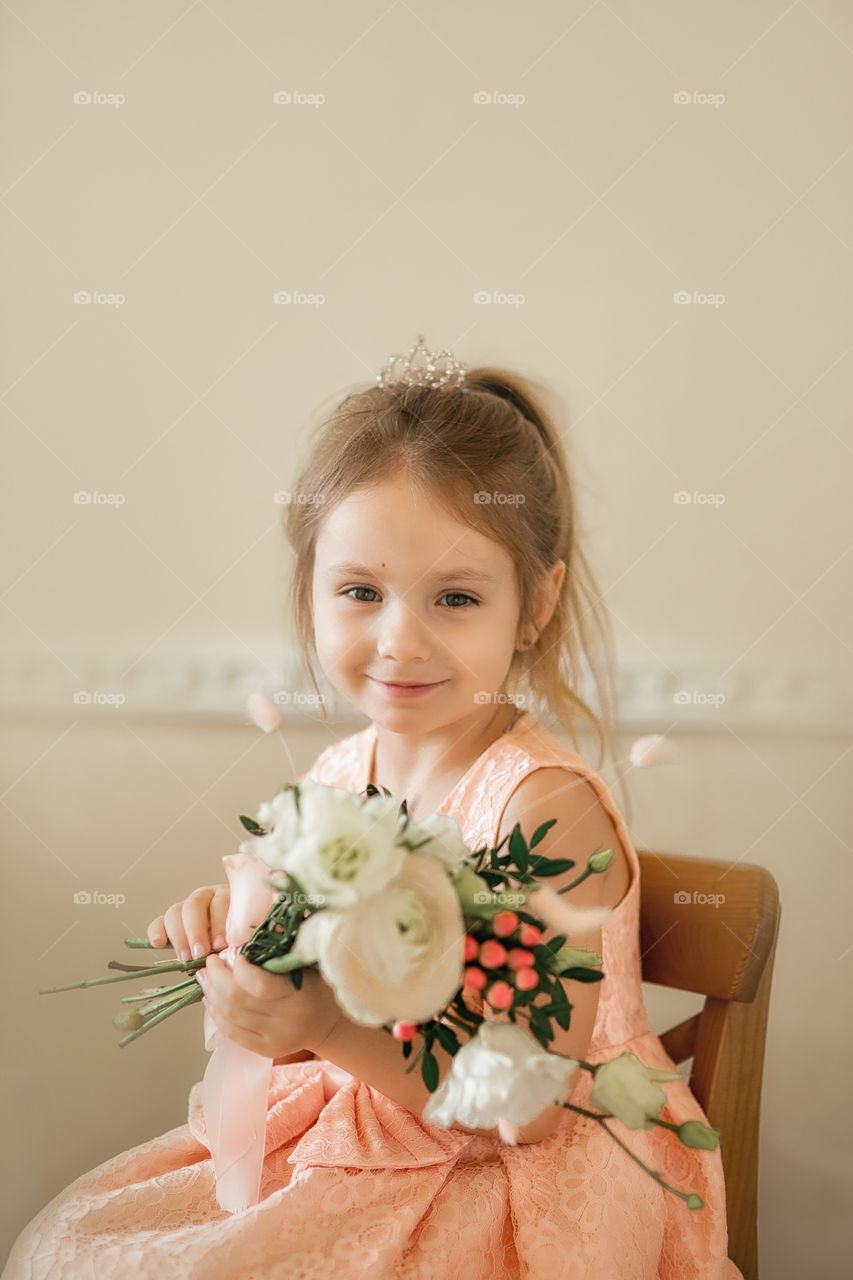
(402, 592)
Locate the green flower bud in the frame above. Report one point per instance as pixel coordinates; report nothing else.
(695, 1134)
(600, 861)
(695, 1202)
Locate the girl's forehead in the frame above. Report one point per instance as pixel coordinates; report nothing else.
(392, 524)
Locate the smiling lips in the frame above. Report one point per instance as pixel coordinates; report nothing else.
(399, 689)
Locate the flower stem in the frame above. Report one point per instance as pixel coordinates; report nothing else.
(690, 1197)
(190, 998)
(177, 967)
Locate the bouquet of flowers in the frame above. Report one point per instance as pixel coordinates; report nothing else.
(418, 934)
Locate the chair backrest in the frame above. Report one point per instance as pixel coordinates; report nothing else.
(711, 927)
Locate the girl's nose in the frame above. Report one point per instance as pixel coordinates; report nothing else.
(403, 637)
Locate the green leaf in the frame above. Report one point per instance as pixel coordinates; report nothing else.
(251, 825)
(446, 1038)
(540, 1029)
(407, 1048)
(296, 978)
(429, 1071)
(542, 866)
(539, 833)
(583, 975)
(518, 847)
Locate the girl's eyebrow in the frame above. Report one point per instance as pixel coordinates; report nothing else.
(463, 573)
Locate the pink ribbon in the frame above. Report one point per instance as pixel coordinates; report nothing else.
(235, 1088)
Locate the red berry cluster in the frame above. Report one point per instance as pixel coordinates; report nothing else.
(515, 961)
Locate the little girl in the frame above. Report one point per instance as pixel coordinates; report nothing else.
(439, 582)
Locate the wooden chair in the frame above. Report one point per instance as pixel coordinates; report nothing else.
(725, 952)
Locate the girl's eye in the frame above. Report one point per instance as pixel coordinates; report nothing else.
(458, 595)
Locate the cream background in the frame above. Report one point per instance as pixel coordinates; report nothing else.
(398, 199)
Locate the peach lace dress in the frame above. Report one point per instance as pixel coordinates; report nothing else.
(356, 1186)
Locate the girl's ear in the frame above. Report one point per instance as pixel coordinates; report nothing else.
(548, 594)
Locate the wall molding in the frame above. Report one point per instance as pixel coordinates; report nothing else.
(191, 685)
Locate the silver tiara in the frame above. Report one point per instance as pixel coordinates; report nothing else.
(422, 368)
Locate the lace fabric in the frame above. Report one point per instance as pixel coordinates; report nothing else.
(356, 1186)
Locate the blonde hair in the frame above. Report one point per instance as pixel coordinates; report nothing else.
(492, 435)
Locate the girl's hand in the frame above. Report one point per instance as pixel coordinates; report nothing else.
(263, 1011)
(191, 925)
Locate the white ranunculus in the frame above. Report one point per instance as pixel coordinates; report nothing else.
(501, 1073)
(282, 816)
(624, 1087)
(445, 840)
(398, 956)
(344, 848)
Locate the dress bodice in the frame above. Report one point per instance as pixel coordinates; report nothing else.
(477, 803)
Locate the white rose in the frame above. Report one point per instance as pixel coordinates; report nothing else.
(345, 847)
(624, 1087)
(398, 956)
(445, 841)
(500, 1074)
(282, 816)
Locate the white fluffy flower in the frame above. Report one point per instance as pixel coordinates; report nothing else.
(340, 847)
(501, 1073)
(445, 841)
(624, 1087)
(398, 956)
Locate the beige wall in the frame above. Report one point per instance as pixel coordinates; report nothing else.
(398, 199)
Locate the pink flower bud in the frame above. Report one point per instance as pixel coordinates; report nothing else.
(499, 995)
(518, 958)
(504, 923)
(526, 979)
(492, 954)
(472, 948)
(529, 935)
(474, 978)
(404, 1030)
(263, 712)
